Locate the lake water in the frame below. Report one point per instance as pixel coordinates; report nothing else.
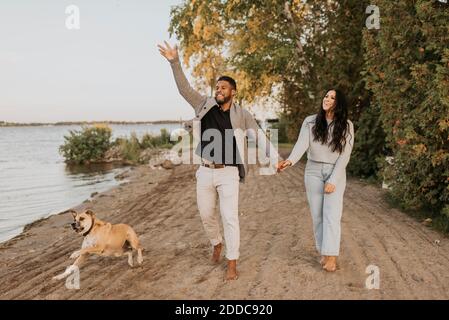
(34, 180)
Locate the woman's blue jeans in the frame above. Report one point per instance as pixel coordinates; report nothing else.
(326, 208)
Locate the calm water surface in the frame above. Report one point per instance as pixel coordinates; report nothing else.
(34, 180)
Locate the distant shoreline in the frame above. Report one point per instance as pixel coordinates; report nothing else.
(68, 123)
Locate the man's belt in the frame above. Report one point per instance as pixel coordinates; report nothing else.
(213, 165)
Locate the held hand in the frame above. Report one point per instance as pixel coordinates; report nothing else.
(329, 188)
(168, 52)
(283, 164)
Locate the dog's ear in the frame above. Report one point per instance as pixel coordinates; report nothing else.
(73, 212)
(90, 212)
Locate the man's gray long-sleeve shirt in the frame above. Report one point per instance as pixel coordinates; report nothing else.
(242, 121)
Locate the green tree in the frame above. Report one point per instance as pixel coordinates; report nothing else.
(407, 73)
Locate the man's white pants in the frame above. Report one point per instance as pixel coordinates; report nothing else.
(225, 182)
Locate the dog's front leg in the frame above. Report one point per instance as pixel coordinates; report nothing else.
(68, 271)
(80, 260)
(91, 250)
(78, 253)
(81, 256)
(75, 254)
(72, 268)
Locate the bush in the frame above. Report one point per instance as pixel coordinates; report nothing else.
(369, 147)
(161, 141)
(407, 72)
(131, 148)
(86, 145)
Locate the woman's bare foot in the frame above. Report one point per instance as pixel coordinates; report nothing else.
(217, 252)
(323, 260)
(231, 272)
(331, 264)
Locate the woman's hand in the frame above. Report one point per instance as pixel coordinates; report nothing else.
(329, 188)
(283, 164)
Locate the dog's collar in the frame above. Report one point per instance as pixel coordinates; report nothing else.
(91, 226)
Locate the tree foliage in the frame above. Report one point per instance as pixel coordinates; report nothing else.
(408, 74)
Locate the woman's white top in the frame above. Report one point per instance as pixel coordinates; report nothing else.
(322, 152)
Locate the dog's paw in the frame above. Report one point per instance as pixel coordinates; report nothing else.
(139, 256)
(58, 277)
(75, 255)
(139, 260)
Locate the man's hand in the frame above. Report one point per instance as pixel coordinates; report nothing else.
(329, 188)
(283, 164)
(168, 52)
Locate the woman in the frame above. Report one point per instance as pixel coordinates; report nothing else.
(328, 138)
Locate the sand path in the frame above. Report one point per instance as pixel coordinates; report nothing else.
(278, 259)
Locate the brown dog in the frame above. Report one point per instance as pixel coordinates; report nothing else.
(103, 239)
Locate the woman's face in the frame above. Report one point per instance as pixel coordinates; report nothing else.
(329, 100)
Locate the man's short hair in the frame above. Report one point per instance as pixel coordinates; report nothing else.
(229, 80)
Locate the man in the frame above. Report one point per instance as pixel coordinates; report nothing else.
(221, 167)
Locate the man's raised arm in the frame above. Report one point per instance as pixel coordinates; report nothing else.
(193, 97)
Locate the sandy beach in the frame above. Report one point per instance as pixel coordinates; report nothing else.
(278, 259)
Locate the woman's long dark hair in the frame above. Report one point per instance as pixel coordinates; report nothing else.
(340, 124)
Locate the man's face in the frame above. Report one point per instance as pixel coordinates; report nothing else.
(224, 92)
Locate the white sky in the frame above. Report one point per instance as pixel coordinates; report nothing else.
(110, 69)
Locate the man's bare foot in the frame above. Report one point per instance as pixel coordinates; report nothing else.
(331, 264)
(231, 272)
(217, 252)
(323, 260)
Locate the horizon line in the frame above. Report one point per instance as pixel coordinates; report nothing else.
(58, 123)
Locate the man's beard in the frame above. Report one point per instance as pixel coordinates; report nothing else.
(223, 100)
